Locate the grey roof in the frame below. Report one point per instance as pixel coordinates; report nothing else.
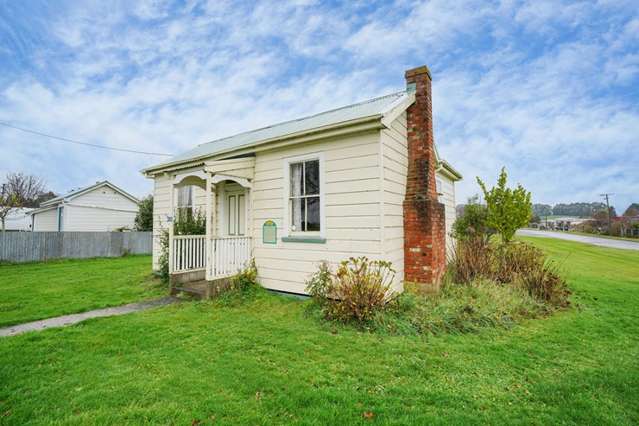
(79, 191)
(369, 108)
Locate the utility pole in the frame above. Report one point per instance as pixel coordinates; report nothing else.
(606, 195)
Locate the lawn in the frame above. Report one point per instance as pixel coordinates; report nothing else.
(265, 362)
(34, 291)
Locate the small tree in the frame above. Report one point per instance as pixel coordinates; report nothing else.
(18, 191)
(507, 209)
(144, 218)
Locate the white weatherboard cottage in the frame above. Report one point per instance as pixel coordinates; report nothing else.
(324, 187)
(97, 208)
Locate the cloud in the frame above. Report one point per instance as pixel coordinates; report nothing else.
(547, 89)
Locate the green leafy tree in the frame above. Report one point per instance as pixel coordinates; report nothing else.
(507, 209)
(472, 222)
(144, 218)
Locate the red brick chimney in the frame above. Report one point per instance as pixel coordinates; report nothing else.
(424, 219)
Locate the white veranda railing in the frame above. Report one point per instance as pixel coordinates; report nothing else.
(228, 254)
(189, 252)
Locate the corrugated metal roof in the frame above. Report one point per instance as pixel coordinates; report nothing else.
(371, 107)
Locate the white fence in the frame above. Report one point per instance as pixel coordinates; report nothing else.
(41, 246)
(188, 253)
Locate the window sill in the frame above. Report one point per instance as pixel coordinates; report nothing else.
(300, 239)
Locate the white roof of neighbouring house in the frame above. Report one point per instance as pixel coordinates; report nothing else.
(79, 191)
(375, 107)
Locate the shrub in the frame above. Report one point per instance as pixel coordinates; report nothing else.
(188, 222)
(246, 278)
(473, 222)
(163, 259)
(470, 259)
(357, 291)
(318, 286)
(513, 264)
(546, 284)
(512, 261)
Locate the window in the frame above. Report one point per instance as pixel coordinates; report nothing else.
(185, 196)
(185, 201)
(304, 196)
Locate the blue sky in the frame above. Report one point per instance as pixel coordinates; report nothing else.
(549, 89)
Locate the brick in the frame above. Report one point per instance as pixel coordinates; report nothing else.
(424, 219)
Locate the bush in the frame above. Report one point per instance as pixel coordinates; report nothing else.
(546, 284)
(188, 222)
(357, 291)
(473, 222)
(318, 286)
(514, 264)
(470, 259)
(246, 278)
(163, 259)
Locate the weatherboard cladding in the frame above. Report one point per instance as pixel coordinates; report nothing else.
(369, 108)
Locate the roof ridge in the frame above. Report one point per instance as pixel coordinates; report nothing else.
(305, 117)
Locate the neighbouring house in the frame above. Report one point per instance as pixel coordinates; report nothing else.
(18, 220)
(362, 180)
(97, 208)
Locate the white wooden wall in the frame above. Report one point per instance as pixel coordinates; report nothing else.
(352, 203)
(394, 170)
(161, 209)
(46, 220)
(448, 199)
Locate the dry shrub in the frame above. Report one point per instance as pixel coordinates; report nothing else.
(471, 259)
(357, 291)
(514, 260)
(515, 263)
(546, 284)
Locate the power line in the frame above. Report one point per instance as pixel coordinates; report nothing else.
(35, 132)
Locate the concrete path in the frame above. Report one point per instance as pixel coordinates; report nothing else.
(598, 241)
(76, 318)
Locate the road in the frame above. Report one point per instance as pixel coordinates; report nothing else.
(598, 241)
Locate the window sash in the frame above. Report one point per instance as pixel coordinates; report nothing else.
(303, 197)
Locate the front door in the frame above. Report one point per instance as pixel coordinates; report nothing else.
(235, 214)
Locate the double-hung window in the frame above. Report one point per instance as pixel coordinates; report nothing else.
(185, 201)
(304, 196)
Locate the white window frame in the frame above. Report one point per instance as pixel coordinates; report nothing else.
(286, 231)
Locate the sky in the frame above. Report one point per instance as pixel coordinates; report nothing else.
(547, 89)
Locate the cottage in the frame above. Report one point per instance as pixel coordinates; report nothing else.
(362, 180)
(98, 208)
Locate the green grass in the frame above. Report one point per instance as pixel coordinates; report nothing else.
(265, 362)
(35, 291)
